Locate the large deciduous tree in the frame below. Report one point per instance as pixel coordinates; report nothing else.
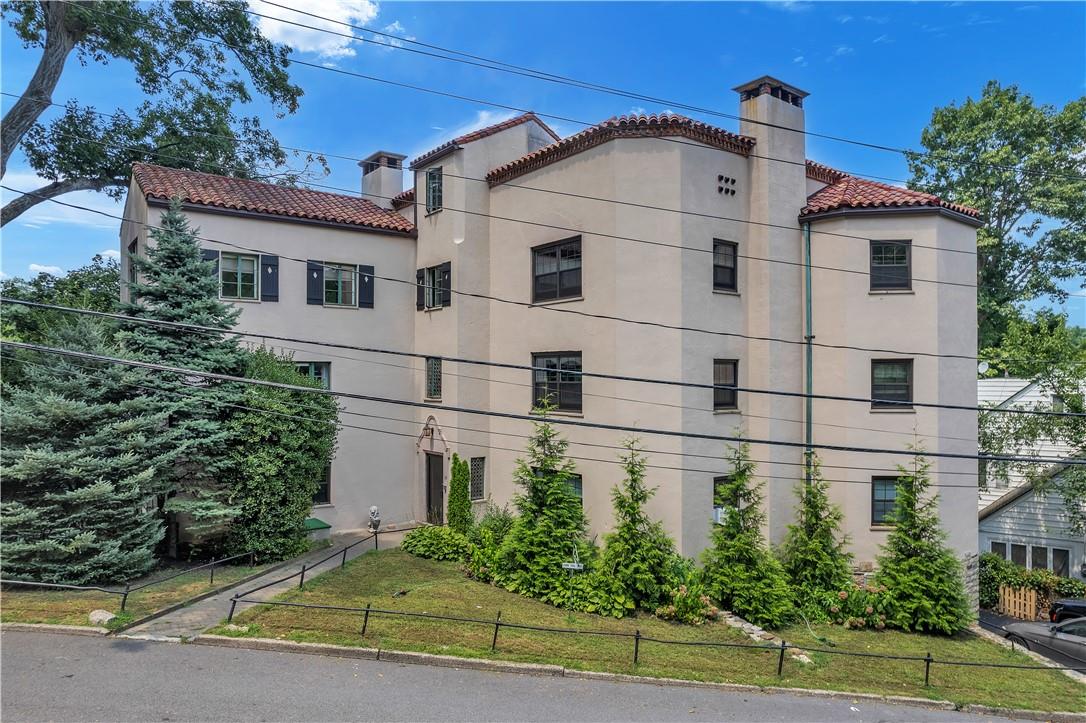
(193, 61)
(1023, 165)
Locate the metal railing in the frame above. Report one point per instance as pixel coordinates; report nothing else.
(129, 588)
(638, 639)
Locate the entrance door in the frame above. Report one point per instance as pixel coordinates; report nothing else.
(435, 500)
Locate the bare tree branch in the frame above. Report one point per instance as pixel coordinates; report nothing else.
(28, 200)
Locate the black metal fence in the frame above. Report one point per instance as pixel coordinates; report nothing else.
(129, 588)
(636, 638)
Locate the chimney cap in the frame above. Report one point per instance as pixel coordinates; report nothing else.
(382, 154)
(772, 86)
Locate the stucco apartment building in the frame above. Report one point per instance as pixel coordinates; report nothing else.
(656, 247)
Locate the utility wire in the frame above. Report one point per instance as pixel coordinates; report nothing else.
(491, 64)
(526, 304)
(527, 417)
(510, 365)
(412, 435)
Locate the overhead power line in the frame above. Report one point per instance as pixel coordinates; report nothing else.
(527, 417)
(413, 435)
(197, 328)
(549, 308)
(400, 43)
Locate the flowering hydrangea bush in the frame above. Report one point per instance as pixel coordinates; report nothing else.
(858, 606)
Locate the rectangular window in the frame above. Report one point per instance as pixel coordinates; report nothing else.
(1038, 557)
(883, 495)
(892, 383)
(556, 270)
(323, 495)
(577, 484)
(321, 371)
(723, 500)
(433, 378)
(433, 189)
(891, 265)
(477, 485)
(340, 284)
(557, 378)
(725, 379)
(1018, 555)
(1061, 562)
(999, 548)
(238, 276)
(725, 265)
(434, 289)
(133, 248)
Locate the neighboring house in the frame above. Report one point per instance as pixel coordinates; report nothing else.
(485, 214)
(1015, 521)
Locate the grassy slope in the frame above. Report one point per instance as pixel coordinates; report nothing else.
(71, 607)
(441, 588)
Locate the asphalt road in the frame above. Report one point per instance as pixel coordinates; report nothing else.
(63, 677)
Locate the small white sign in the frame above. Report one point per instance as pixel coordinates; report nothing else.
(572, 566)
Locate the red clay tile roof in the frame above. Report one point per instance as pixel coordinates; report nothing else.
(850, 192)
(206, 189)
(403, 198)
(457, 142)
(639, 126)
(824, 174)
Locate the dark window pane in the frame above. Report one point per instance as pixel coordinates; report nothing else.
(725, 254)
(883, 496)
(558, 381)
(725, 374)
(575, 481)
(891, 383)
(569, 283)
(890, 267)
(556, 271)
(323, 495)
(1018, 555)
(1039, 557)
(1000, 548)
(546, 287)
(1061, 562)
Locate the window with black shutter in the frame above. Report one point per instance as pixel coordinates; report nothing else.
(892, 383)
(883, 498)
(434, 286)
(434, 190)
(891, 265)
(556, 270)
(556, 378)
(725, 380)
(238, 276)
(725, 265)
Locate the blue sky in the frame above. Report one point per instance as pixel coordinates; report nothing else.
(874, 71)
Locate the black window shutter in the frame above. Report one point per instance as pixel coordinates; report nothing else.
(420, 289)
(445, 271)
(269, 278)
(211, 255)
(314, 282)
(365, 287)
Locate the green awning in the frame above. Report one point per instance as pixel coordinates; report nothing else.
(312, 524)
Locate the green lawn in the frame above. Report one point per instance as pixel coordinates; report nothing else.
(394, 580)
(71, 607)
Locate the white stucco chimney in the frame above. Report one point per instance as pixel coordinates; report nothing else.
(382, 177)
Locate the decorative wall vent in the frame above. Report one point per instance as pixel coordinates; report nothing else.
(726, 185)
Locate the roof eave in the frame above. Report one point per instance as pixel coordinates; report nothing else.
(891, 210)
(438, 153)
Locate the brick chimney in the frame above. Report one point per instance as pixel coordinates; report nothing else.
(382, 177)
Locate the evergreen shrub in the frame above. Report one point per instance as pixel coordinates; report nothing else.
(437, 543)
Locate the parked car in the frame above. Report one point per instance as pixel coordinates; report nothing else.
(1067, 638)
(1066, 609)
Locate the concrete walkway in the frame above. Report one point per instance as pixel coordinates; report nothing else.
(190, 621)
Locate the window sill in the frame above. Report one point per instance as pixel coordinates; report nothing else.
(551, 302)
(890, 292)
(882, 528)
(726, 292)
(429, 309)
(436, 211)
(727, 411)
(558, 413)
(232, 300)
(910, 410)
(432, 400)
(340, 306)
(322, 505)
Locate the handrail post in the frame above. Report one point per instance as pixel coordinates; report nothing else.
(233, 604)
(637, 645)
(375, 533)
(780, 658)
(366, 619)
(497, 624)
(252, 558)
(344, 563)
(212, 572)
(124, 596)
(927, 668)
(301, 580)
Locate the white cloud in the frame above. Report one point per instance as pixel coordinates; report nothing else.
(40, 269)
(842, 50)
(305, 40)
(110, 254)
(482, 119)
(394, 28)
(3, 276)
(800, 61)
(791, 6)
(844, 19)
(884, 38)
(47, 212)
(636, 110)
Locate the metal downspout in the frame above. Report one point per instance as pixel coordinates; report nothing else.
(809, 337)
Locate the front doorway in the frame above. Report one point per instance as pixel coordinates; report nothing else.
(435, 493)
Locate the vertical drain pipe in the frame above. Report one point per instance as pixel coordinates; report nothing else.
(809, 337)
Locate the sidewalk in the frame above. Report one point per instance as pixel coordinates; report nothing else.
(188, 622)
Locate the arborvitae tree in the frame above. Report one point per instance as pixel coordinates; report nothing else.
(176, 284)
(550, 525)
(922, 575)
(79, 454)
(638, 553)
(460, 517)
(284, 440)
(740, 571)
(813, 553)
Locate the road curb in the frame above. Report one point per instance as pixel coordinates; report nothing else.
(451, 661)
(1059, 717)
(285, 646)
(57, 629)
